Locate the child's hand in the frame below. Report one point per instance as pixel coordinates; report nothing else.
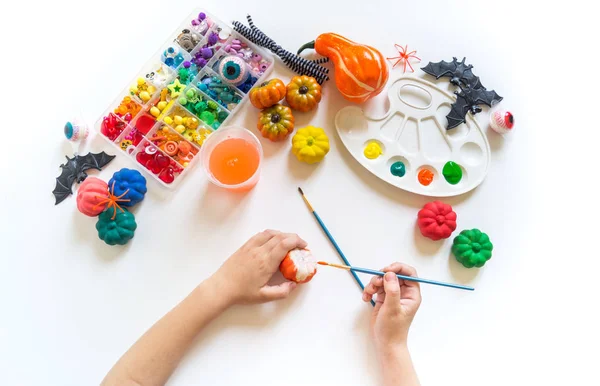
(244, 276)
(397, 303)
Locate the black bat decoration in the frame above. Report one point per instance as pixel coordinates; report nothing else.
(74, 170)
(458, 72)
(468, 100)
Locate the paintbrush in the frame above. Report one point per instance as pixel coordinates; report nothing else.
(409, 278)
(332, 240)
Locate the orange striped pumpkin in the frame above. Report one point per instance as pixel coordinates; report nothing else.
(361, 71)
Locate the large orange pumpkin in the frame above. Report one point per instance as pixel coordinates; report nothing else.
(299, 265)
(91, 192)
(361, 71)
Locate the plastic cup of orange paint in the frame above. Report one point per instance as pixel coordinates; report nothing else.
(232, 158)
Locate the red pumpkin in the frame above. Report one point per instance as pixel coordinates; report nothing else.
(299, 265)
(436, 220)
(90, 194)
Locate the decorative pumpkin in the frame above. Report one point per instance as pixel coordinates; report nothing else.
(436, 220)
(303, 93)
(472, 248)
(299, 265)
(118, 230)
(361, 71)
(267, 94)
(91, 196)
(276, 122)
(128, 185)
(310, 144)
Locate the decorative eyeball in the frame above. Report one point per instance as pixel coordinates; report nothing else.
(502, 121)
(233, 70)
(299, 265)
(170, 52)
(75, 131)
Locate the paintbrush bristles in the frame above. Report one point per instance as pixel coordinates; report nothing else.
(335, 265)
(305, 199)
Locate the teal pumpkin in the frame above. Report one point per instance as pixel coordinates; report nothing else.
(472, 248)
(118, 230)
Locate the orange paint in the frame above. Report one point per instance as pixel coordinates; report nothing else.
(322, 262)
(425, 177)
(234, 161)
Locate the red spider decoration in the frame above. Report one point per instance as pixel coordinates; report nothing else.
(404, 57)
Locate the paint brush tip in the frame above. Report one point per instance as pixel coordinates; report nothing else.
(322, 263)
(300, 190)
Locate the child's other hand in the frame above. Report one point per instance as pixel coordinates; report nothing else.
(396, 305)
(244, 276)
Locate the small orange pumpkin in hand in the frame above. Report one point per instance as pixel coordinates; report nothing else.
(299, 265)
(267, 94)
(303, 93)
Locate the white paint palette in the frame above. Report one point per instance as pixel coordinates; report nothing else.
(414, 141)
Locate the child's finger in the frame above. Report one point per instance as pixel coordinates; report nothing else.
(282, 244)
(261, 238)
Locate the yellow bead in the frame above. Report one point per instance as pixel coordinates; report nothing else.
(193, 123)
(177, 119)
(168, 120)
(161, 105)
(155, 111)
(180, 128)
(140, 81)
(145, 96)
(151, 89)
(185, 164)
(133, 89)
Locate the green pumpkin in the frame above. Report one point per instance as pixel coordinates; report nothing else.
(117, 231)
(472, 248)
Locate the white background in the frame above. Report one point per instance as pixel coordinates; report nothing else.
(71, 305)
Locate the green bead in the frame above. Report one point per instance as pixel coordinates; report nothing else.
(190, 93)
(222, 116)
(212, 105)
(183, 101)
(207, 117)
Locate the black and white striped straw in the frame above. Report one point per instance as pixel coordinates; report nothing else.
(297, 63)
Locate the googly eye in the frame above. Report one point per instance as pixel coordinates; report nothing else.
(233, 70)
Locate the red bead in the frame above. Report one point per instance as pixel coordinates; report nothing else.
(145, 123)
(167, 176)
(161, 160)
(143, 158)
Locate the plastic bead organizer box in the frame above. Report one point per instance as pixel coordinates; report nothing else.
(188, 89)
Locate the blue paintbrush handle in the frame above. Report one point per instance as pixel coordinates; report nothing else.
(410, 278)
(339, 251)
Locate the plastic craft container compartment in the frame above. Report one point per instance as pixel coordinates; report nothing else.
(162, 75)
(215, 87)
(156, 162)
(174, 145)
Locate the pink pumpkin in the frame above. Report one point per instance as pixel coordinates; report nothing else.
(90, 194)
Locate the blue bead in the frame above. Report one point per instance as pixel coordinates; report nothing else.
(202, 86)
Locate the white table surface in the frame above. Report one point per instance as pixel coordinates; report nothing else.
(72, 305)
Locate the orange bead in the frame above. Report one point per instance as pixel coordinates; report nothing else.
(185, 148)
(171, 148)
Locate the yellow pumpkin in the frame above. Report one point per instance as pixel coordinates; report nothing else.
(303, 93)
(310, 144)
(267, 94)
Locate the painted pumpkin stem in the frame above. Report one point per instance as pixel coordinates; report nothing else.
(309, 45)
(275, 118)
(113, 201)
